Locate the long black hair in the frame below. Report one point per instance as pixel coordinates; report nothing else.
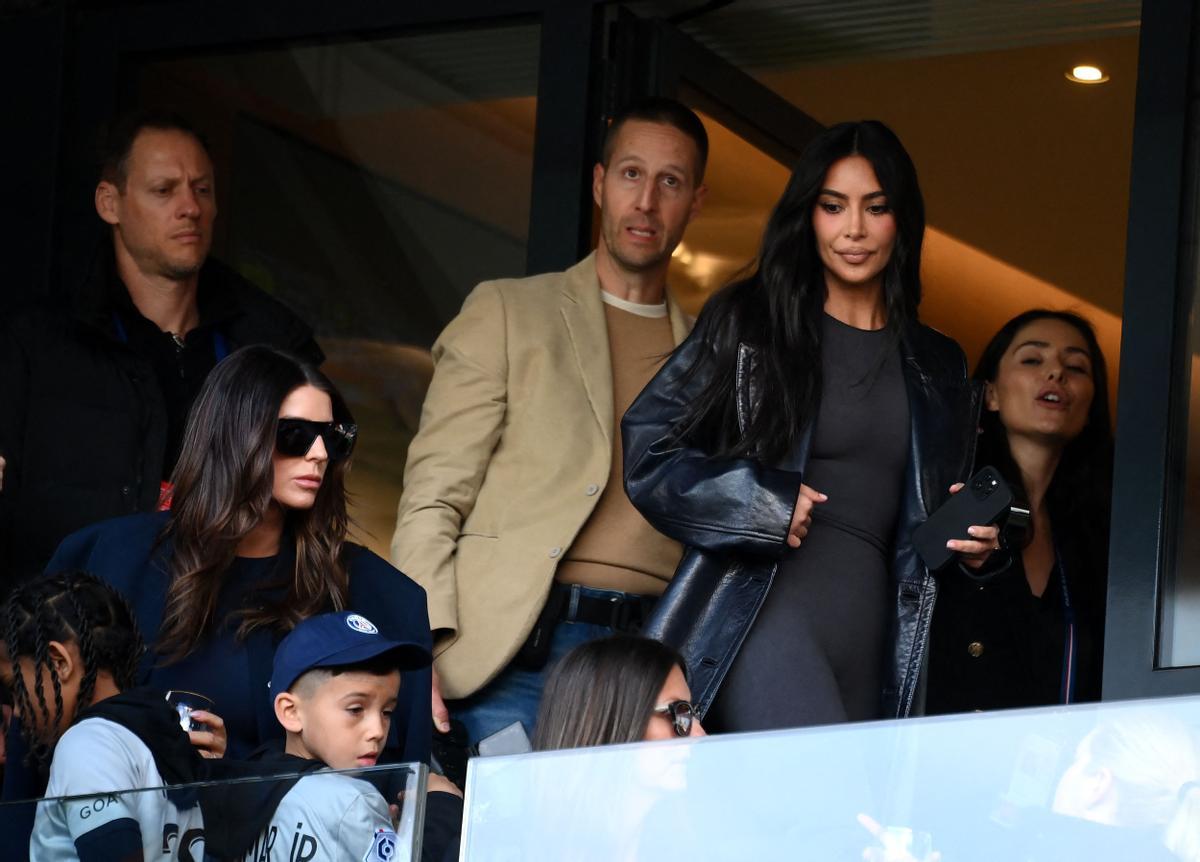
(778, 308)
(1080, 492)
(603, 692)
(71, 606)
(224, 484)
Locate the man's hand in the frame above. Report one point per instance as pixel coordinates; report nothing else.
(2, 463)
(802, 515)
(441, 715)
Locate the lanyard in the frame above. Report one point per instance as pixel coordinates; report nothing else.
(1070, 668)
(220, 344)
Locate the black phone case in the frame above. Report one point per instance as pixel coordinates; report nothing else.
(984, 500)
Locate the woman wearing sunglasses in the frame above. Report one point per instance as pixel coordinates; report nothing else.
(613, 690)
(255, 541)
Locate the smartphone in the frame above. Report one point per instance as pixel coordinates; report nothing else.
(508, 740)
(984, 500)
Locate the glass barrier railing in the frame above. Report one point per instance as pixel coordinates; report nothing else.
(1097, 782)
(375, 813)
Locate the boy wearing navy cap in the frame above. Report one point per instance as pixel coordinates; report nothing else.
(335, 682)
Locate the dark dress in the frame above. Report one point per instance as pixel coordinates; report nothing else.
(817, 647)
(995, 645)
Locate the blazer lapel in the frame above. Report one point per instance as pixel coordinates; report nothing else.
(583, 313)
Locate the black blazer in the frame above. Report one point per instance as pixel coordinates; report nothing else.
(733, 514)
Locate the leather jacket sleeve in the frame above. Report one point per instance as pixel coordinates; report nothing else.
(723, 505)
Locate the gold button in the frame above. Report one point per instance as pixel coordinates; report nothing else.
(975, 649)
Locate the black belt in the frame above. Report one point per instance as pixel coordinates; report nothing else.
(624, 612)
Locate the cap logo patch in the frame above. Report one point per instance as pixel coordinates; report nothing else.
(361, 624)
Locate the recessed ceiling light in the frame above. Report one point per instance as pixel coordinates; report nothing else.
(1087, 75)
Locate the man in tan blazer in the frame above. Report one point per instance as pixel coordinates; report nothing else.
(514, 516)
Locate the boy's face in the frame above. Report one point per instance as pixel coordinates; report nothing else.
(340, 720)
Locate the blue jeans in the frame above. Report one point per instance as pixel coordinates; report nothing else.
(517, 692)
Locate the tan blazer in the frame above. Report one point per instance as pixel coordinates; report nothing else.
(515, 439)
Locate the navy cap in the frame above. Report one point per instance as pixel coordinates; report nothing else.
(330, 640)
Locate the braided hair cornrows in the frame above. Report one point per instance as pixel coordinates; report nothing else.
(70, 606)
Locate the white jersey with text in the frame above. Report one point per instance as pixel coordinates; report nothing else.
(95, 760)
(325, 817)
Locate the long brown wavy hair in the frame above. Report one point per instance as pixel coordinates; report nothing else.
(224, 483)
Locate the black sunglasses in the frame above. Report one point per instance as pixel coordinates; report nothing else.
(294, 437)
(681, 713)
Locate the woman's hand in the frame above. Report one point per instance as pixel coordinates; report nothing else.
(802, 515)
(974, 552)
(211, 742)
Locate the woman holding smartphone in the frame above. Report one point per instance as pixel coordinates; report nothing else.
(255, 541)
(1033, 633)
(793, 443)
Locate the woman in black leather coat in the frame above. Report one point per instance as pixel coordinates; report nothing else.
(795, 440)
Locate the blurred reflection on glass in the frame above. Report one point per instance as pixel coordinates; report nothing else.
(1095, 782)
(370, 185)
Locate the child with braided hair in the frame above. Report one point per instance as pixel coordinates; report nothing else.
(69, 655)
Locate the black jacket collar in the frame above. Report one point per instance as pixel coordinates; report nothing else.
(102, 294)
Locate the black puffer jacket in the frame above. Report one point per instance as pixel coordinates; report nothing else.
(83, 418)
(733, 514)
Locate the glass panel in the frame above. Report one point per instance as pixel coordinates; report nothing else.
(1003, 786)
(370, 185)
(329, 814)
(1179, 635)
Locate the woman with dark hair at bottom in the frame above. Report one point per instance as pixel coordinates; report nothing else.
(794, 442)
(255, 540)
(613, 690)
(1033, 634)
(618, 689)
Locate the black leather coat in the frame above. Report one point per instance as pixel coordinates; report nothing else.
(733, 513)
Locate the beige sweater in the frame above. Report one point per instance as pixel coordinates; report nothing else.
(617, 549)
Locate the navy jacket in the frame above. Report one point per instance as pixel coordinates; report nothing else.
(84, 419)
(733, 514)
